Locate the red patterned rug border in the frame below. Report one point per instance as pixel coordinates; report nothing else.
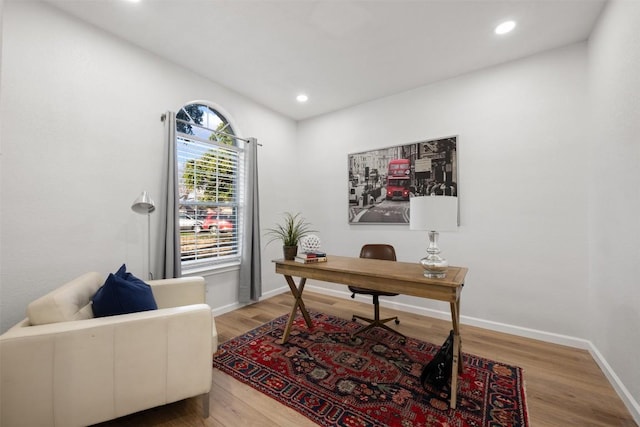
(327, 407)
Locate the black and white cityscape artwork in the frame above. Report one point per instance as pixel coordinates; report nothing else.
(382, 181)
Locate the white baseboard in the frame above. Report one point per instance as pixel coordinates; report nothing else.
(226, 309)
(236, 305)
(631, 404)
(628, 400)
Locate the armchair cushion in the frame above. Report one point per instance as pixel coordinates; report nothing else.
(123, 293)
(69, 302)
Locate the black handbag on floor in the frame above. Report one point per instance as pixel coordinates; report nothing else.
(437, 372)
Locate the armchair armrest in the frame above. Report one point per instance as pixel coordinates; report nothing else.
(178, 292)
(87, 371)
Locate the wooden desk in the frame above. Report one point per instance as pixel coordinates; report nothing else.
(390, 276)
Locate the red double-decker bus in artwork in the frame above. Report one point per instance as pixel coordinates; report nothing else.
(398, 179)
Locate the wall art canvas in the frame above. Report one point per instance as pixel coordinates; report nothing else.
(381, 181)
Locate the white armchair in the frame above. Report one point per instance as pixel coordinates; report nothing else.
(81, 372)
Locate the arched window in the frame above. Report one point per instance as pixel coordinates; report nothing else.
(209, 186)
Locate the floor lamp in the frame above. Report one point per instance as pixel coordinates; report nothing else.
(144, 205)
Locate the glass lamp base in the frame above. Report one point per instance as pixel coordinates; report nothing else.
(435, 267)
(435, 275)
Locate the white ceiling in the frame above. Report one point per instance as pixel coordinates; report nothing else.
(339, 52)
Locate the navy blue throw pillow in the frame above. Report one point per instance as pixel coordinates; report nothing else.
(124, 274)
(123, 293)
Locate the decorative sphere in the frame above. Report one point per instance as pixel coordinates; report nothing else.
(310, 243)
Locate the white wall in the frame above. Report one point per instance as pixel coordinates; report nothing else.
(549, 190)
(548, 193)
(82, 137)
(1, 19)
(614, 225)
(522, 184)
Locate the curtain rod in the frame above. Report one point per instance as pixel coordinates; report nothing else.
(163, 117)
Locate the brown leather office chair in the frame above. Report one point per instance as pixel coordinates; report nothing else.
(376, 251)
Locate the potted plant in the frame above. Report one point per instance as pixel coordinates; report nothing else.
(293, 228)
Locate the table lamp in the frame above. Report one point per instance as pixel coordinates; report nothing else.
(144, 205)
(433, 213)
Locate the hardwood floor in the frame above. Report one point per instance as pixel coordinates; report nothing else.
(564, 386)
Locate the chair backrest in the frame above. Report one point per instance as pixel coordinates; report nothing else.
(378, 251)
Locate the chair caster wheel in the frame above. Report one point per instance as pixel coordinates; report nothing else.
(403, 341)
(397, 321)
(353, 319)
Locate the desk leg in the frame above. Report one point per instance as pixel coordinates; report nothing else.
(458, 362)
(297, 294)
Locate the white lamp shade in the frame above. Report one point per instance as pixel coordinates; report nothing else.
(143, 204)
(433, 213)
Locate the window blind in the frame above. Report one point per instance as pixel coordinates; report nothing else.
(208, 187)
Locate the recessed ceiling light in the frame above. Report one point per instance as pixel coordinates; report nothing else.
(505, 27)
(302, 98)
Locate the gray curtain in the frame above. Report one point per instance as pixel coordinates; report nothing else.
(250, 275)
(168, 263)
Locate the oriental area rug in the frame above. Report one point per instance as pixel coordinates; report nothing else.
(372, 380)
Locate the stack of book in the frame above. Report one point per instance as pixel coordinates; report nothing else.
(310, 257)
